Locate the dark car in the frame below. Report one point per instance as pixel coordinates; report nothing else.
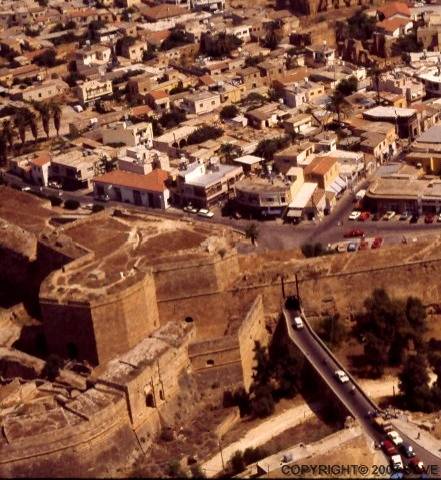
(389, 448)
(356, 232)
(407, 450)
(429, 218)
(376, 217)
(416, 465)
(414, 219)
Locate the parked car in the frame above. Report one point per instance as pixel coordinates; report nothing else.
(414, 218)
(87, 206)
(438, 218)
(190, 209)
(378, 241)
(396, 462)
(298, 323)
(341, 376)
(364, 216)
(429, 218)
(389, 448)
(389, 215)
(354, 215)
(416, 465)
(54, 184)
(405, 216)
(352, 247)
(363, 245)
(26, 189)
(395, 437)
(407, 450)
(204, 212)
(355, 232)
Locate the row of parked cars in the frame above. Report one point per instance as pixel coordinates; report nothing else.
(202, 212)
(395, 448)
(362, 216)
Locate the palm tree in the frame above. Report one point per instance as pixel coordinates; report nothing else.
(33, 124)
(8, 131)
(229, 152)
(21, 124)
(375, 72)
(3, 148)
(56, 113)
(337, 104)
(252, 232)
(45, 115)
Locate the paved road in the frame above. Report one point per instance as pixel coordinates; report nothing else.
(355, 400)
(273, 234)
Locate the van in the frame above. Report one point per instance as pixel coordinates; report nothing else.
(298, 323)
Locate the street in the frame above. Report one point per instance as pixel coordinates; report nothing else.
(349, 393)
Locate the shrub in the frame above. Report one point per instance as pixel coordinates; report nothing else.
(236, 462)
(204, 133)
(71, 204)
(97, 208)
(55, 201)
(229, 111)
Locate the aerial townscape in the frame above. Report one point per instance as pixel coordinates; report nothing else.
(220, 237)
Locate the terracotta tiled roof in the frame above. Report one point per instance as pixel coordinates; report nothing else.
(320, 165)
(154, 181)
(158, 94)
(41, 159)
(162, 11)
(392, 24)
(206, 80)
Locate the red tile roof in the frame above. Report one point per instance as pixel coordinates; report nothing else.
(206, 80)
(392, 24)
(41, 159)
(153, 182)
(162, 11)
(158, 94)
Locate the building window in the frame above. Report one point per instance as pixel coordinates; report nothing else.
(210, 363)
(161, 395)
(150, 401)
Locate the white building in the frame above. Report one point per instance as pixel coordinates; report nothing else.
(142, 160)
(131, 135)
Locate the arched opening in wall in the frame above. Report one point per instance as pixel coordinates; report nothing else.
(182, 143)
(175, 145)
(161, 395)
(189, 319)
(72, 351)
(150, 400)
(210, 363)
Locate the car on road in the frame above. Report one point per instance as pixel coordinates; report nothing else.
(414, 218)
(389, 215)
(190, 209)
(355, 232)
(378, 241)
(389, 448)
(54, 184)
(298, 323)
(352, 247)
(354, 215)
(396, 462)
(395, 437)
(87, 206)
(341, 247)
(438, 218)
(204, 212)
(26, 189)
(407, 450)
(341, 376)
(416, 465)
(364, 216)
(429, 218)
(405, 216)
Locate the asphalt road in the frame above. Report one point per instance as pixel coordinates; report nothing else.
(356, 401)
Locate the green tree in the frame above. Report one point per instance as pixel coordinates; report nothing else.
(45, 115)
(197, 471)
(8, 130)
(414, 384)
(347, 86)
(220, 44)
(56, 115)
(228, 112)
(272, 38)
(269, 146)
(252, 232)
(3, 149)
(175, 470)
(332, 330)
(46, 59)
(337, 104)
(253, 455)
(229, 152)
(204, 133)
(236, 463)
(21, 124)
(172, 119)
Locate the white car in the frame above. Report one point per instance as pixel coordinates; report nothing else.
(341, 375)
(298, 323)
(204, 212)
(389, 215)
(54, 184)
(395, 438)
(87, 206)
(396, 462)
(354, 215)
(25, 189)
(190, 209)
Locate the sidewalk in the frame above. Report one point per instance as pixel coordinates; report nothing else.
(425, 440)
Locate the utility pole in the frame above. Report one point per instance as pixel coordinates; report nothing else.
(222, 456)
(282, 279)
(297, 287)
